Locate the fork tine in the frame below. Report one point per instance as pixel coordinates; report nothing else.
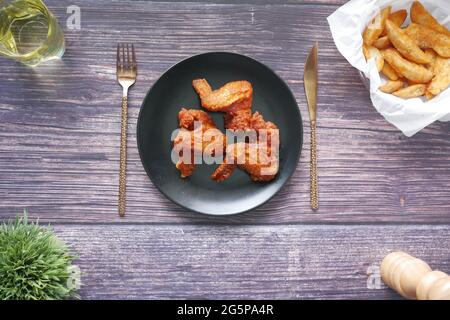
(118, 56)
(128, 57)
(133, 57)
(124, 61)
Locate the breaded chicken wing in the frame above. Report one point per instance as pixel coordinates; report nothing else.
(185, 139)
(225, 97)
(235, 100)
(259, 160)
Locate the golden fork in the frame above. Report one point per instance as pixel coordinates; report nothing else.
(126, 76)
(310, 82)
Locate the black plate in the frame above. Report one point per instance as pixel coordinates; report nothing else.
(158, 118)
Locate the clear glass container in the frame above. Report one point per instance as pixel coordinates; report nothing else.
(29, 33)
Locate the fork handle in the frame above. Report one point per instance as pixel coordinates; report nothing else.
(314, 186)
(123, 158)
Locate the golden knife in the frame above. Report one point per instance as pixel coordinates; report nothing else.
(310, 83)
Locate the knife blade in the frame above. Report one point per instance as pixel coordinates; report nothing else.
(310, 80)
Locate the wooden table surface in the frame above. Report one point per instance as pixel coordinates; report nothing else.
(59, 147)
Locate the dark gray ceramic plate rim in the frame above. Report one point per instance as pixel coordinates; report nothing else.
(149, 174)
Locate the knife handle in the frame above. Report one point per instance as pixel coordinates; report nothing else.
(314, 187)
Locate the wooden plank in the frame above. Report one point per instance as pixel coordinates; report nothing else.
(60, 123)
(259, 2)
(242, 262)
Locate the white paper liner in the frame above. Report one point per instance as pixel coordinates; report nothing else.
(347, 24)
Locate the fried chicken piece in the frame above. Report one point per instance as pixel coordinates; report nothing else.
(223, 171)
(235, 99)
(238, 116)
(259, 160)
(187, 117)
(258, 123)
(225, 97)
(185, 138)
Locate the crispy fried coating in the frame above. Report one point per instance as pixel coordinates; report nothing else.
(420, 15)
(224, 97)
(376, 27)
(235, 99)
(412, 91)
(410, 70)
(426, 37)
(397, 17)
(185, 138)
(441, 79)
(237, 117)
(382, 43)
(405, 45)
(391, 86)
(389, 72)
(259, 160)
(372, 52)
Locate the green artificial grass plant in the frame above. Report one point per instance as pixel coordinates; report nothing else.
(34, 263)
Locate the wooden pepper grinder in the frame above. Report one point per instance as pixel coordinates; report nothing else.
(413, 278)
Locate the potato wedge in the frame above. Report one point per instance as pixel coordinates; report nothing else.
(372, 52)
(405, 45)
(432, 55)
(382, 43)
(389, 72)
(413, 91)
(391, 86)
(410, 83)
(420, 15)
(376, 27)
(397, 17)
(441, 79)
(429, 95)
(425, 37)
(405, 68)
(366, 53)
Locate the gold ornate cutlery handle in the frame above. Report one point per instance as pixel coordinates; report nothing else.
(123, 158)
(314, 187)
